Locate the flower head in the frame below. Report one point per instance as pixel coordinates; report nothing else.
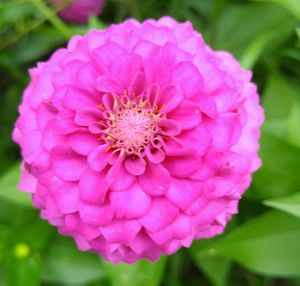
(78, 11)
(138, 139)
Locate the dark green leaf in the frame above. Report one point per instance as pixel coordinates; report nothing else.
(268, 244)
(37, 44)
(279, 174)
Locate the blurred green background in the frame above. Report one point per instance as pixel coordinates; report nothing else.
(261, 246)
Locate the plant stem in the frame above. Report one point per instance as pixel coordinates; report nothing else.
(52, 18)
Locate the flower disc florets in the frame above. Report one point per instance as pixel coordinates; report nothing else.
(138, 139)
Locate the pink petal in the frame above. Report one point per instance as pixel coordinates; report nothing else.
(82, 142)
(169, 127)
(169, 98)
(182, 164)
(131, 203)
(66, 164)
(179, 229)
(187, 115)
(188, 77)
(93, 187)
(106, 54)
(109, 84)
(156, 179)
(98, 158)
(65, 195)
(50, 137)
(157, 73)
(146, 49)
(160, 215)
(155, 155)
(135, 165)
(199, 139)
(118, 178)
(76, 98)
(138, 84)
(125, 67)
(64, 122)
(87, 115)
(95, 214)
(183, 192)
(120, 231)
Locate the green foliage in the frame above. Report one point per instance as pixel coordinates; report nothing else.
(260, 245)
(268, 244)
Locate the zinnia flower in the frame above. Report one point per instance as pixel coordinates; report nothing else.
(138, 139)
(78, 11)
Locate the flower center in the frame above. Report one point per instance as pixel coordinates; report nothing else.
(132, 125)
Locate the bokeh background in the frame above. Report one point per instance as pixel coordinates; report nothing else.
(261, 246)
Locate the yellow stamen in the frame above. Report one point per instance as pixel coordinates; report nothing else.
(101, 106)
(109, 147)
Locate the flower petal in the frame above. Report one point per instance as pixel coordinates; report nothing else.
(187, 115)
(66, 164)
(156, 179)
(95, 214)
(169, 98)
(160, 214)
(131, 203)
(118, 178)
(120, 231)
(93, 187)
(135, 165)
(82, 142)
(98, 158)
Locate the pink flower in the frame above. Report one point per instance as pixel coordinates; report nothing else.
(78, 11)
(138, 139)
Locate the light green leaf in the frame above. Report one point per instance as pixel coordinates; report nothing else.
(141, 273)
(293, 6)
(279, 174)
(278, 97)
(240, 25)
(289, 204)
(12, 12)
(22, 268)
(293, 124)
(268, 244)
(64, 263)
(8, 187)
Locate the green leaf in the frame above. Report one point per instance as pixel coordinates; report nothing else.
(279, 174)
(141, 273)
(293, 6)
(14, 12)
(64, 263)
(268, 245)
(289, 204)
(30, 47)
(8, 187)
(293, 124)
(210, 264)
(242, 24)
(22, 268)
(279, 97)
